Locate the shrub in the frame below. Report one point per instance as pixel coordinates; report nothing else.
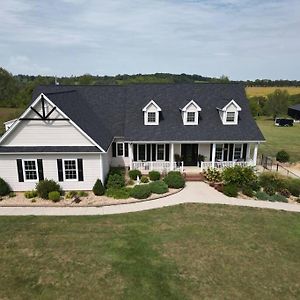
(285, 192)
(154, 175)
(11, 195)
(82, 194)
(246, 190)
(239, 176)
(271, 179)
(230, 190)
(213, 175)
(98, 188)
(4, 188)
(140, 191)
(30, 194)
(293, 185)
(144, 179)
(122, 193)
(174, 180)
(158, 187)
(115, 181)
(116, 170)
(44, 187)
(130, 182)
(133, 174)
(269, 190)
(71, 194)
(262, 195)
(54, 196)
(278, 198)
(282, 156)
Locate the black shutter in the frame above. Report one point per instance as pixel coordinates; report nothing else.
(20, 170)
(153, 152)
(40, 169)
(148, 152)
(210, 152)
(167, 148)
(245, 151)
(126, 149)
(230, 152)
(60, 170)
(134, 152)
(114, 149)
(80, 169)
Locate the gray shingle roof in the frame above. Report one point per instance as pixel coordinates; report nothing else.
(105, 112)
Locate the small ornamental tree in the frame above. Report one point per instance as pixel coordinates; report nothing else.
(4, 188)
(98, 188)
(282, 156)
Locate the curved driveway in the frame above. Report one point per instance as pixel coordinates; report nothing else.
(195, 192)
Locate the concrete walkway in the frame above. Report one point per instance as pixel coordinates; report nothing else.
(195, 192)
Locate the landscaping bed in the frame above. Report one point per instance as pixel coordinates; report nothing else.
(120, 188)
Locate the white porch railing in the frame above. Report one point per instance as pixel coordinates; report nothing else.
(160, 166)
(224, 164)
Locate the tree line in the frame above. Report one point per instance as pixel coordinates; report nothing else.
(16, 90)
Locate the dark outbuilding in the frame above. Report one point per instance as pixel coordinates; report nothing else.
(294, 111)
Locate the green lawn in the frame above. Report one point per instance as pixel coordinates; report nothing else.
(280, 138)
(8, 114)
(183, 252)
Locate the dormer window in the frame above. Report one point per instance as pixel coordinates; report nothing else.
(229, 114)
(190, 118)
(190, 113)
(151, 113)
(151, 117)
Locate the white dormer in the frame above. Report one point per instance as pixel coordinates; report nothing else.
(229, 114)
(190, 113)
(151, 113)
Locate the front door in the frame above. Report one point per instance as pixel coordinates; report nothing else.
(189, 153)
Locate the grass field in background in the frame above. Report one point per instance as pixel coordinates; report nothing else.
(279, 138)
(183, 252)
(8, 114)
(264, 91)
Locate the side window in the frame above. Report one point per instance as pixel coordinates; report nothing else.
(70, 169)
(120, 149)
(30, 170)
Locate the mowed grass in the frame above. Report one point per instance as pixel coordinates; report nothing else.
(8, 114)
(280, 138)
(264, 91)
(182, 252)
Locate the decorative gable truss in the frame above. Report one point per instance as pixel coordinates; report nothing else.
(229, 114)
(44, 124)
(151, 113)
(190, 113)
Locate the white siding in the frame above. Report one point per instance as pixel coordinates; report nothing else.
(91, 170)
(177, 149)
(45, 133)
(204, 149)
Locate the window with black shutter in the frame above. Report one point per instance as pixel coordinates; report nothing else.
(114, 149)
(60, 170)
(126, 149)
(20, 170)
(40, 169)
(80, 169)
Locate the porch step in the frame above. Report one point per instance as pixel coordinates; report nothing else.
(193, 176)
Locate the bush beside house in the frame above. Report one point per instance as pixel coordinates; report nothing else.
(44, 187)
(4, 188)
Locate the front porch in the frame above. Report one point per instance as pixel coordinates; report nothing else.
(186, 157)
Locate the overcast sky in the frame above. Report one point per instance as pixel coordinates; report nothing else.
(239, 38)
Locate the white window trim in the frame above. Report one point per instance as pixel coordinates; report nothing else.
(36, 170)
(222, 159)
(117, 154)
(157, 110)
(155, 116)
(64, 171)
(186, 109)
(242, 148)
(164, 159)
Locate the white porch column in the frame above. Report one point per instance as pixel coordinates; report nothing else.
(248, 153)
(172, 156)
(130, 156)
(101, 175)
(255, 154)
(213, 155)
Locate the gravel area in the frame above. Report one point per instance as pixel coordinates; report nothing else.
(90, 200)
